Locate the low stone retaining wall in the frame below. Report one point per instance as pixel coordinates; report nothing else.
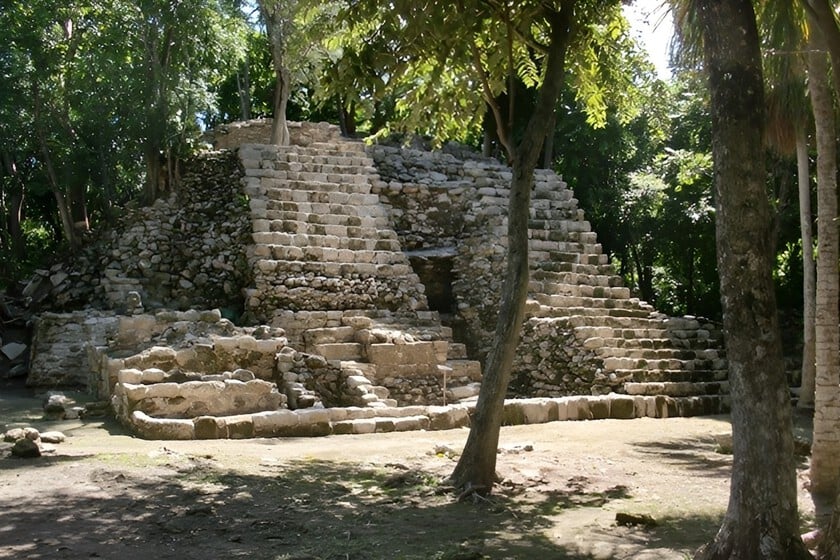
(353, 420)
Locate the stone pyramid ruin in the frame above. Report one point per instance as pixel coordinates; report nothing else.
(364, 282)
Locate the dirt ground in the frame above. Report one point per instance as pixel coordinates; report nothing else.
(105, 494)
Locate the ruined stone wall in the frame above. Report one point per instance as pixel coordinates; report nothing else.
(62, 342)
(187, 250)
(437, 200)
(258, 131)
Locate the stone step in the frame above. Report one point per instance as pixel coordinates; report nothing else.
(367, 240)
(322, 208)
(589, 269)
(327, 255)
(678, 388)
(705, 349)
(457, 351)
(662, 353)
(312, 157)
(312, 195)
(614, 363)
(319, 219)
(661, 375)
(328, 335)
(339, 350)
(576, 279)
(578, 226)
(652, 331)
(342, 147)
(565, 301)
(591, 316)
(336, 230)
(270, 267)
(574, 257)
(581, 290)
(547, 240)
(346, 176)
(305, 222)
(650, 349)
(461, 368)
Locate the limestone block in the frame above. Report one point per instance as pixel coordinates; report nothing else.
(133, 376)
(385, 425)
(361, 426)
(359, 412)
(599, 407)
(411, 423)
(274, 423)
(561, 408)
(240, 426)
(666, 407)
(164, 391)
(316, 421)
(448, 417)
(210, 427)
(622, 406)
(410, 353)
(132, 393)
(464, 392)
(153, 375)
(580, 406)
(639, 406)
(355, 381)
(160, 428)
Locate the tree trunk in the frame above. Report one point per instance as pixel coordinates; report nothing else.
(476, 468)
(52, 177)
(277, 19)
(806, 389)
(825, 477)
(761, 520)
(243, 87)
(14, 207)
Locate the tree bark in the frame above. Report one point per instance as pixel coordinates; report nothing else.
(476, 468)
(806, 389)
(825, 478)
(761, 520)
(277, 21)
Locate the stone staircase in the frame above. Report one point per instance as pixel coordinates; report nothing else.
(638, 350)
(329, 270)
(584, 334)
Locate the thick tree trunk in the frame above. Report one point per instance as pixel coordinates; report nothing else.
(806, 389)
(277, 16)
(476, 469)
(761, 520)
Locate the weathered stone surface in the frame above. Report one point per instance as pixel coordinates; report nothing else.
(158, 428)
(26, 449)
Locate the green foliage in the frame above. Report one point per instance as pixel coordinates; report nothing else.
(646, 185)
(83, 85)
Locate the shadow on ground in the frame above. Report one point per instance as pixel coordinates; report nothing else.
(186, 507)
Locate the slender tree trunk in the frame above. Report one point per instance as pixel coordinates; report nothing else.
(13, 202)
(806, 390)
(548, 148)
(761, 520)
(476, 468)
(52, 177)
(243, 86)
(825, 477)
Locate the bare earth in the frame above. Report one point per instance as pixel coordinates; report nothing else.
(105, 494)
